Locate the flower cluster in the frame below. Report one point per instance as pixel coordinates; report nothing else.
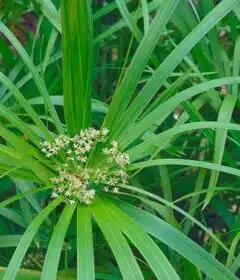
(82, 143)
(75, 180)
(73, 186)
(119, 158)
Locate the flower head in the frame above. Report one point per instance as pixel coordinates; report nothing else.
(74, 179)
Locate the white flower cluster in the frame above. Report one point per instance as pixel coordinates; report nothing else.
(119, 158)
(81, 143)
(74, 178)
(74, 187)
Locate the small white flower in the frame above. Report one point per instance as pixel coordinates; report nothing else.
(112, 182)
(114, 144)
(106, 189)
(60, 189)
(83, 159)
(104, 131)
(88, 147)
(71, 158)
(91, 193)
(115, 190)
(54, 195)
(106, 151)
(68, 193)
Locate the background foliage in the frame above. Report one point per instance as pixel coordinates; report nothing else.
(163, 77)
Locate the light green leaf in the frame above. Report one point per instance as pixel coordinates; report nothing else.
(225, 115)
(77, 39)
(140, 59)
(26, 240)
(85, 255)
(150, 251)
(117, 242)
(52, 258)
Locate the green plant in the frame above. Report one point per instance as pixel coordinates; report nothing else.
(143, 241)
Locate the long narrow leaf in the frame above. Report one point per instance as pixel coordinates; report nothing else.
(77, 39)
(52, 258)
(38, 80)
(138, 63)
(169, 64)
(150, 251)
(85, 255)
(179, 242)
(26, 240)
(225, 115)
(117, 242)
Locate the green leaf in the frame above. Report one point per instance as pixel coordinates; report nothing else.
(129, 20)
(155, 4)
(195, 199)
(225, 115)
(24, 103)
(117, 242)
(77, 39)
(236, 65)
(51, 13)
(173, 206)
(49, 49)
(9, 240)
(186, 162)
(149, 250)
(21, 125)
(179, 242)
(165, 109)
(26, 240)
(22, 195)
(167, 194)
(140, 59)
(38, 80)
(145, 12)
(25, 79)
(26, 152)
(13, 216)
(85, 255)
(126, 120)
(24, 186)
(57, 100)
(158, 142)
(52, 258)
(232, 251)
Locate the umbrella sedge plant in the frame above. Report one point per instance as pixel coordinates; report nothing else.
(89, 174)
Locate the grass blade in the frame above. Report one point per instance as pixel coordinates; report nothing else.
(38, 80)
(179, 242)
(164, 110)
(26, 240)
(52, 258)
(7, 241)
(150, 251)
(166, 68)
(127, 87)
(185, 162)
(78, 69)
(225, 115)
(85, 255)
(117, 242)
